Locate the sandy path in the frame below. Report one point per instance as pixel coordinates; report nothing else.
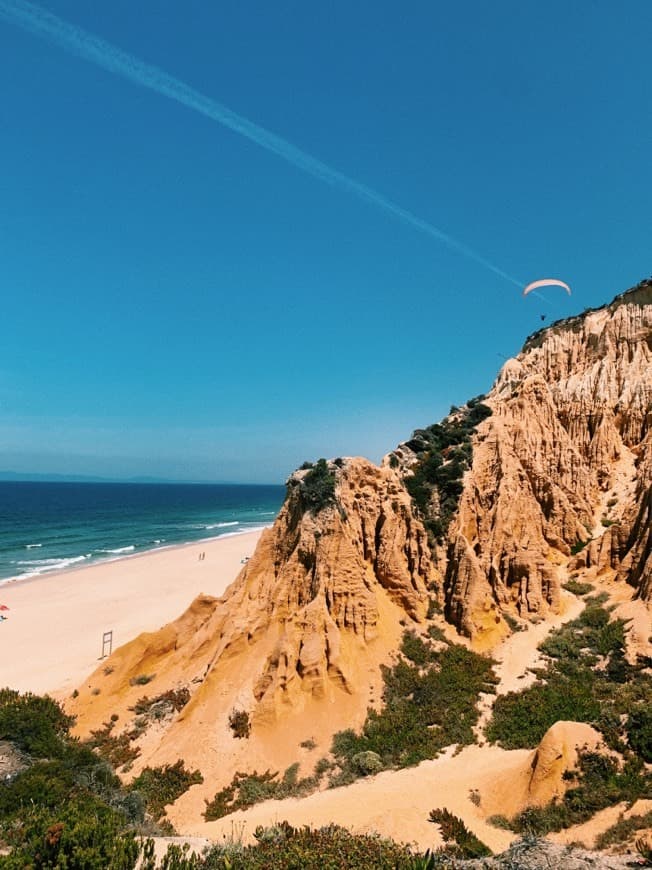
(52, 638)
(518, 654)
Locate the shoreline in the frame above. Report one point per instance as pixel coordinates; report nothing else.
(51, 639)
(20, 579)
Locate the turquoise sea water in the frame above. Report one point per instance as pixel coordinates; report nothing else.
(49, 527)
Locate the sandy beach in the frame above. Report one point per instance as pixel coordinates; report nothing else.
(52, 637)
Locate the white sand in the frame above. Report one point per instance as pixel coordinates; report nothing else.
(52, 638)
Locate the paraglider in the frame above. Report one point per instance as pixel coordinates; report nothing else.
(546, 282)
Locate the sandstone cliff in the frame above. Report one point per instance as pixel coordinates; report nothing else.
(484, 515)
(299, 636)
(562, 463)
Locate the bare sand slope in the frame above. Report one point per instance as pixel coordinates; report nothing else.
(52, 638)
(395, 804)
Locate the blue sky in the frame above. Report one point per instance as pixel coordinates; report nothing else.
(178, 301)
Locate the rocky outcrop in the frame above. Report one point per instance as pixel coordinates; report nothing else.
(563, 460)
(322, 601)
(543, 775)
(555, 757)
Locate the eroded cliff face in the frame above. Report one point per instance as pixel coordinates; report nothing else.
(558, 477)
(297, 638)
(564, 460)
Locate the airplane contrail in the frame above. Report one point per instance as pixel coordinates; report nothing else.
(92, 48)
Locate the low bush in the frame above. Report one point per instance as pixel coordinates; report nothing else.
(141, 679)
(239, 723)
(587, 679)
(161, 786)
(639, 732)
(330, 848)
(80, 835)
(577, 587)
(460, 842)
(247, 789)
(171, 701)
(624, 830)
(317, 488)
(430, 701)
(578, 546)
(118, 749)
(33, 723)
(66, 808)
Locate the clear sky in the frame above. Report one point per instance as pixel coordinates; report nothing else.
(178, 301)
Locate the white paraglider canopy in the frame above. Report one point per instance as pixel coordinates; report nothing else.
(546, 282)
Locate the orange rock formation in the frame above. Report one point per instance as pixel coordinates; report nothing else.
(564, 460)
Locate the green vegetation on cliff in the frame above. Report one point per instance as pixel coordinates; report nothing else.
(430, 701)
(316, 489)
(586, 679)
(444, 453)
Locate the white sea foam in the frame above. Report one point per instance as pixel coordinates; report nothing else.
(43, 566)
(222, 525)
(237, 534)
(128, 549)
(32, 546)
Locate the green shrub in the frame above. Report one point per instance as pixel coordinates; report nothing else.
(587, 679)
(461, 843)
(66, 809)
(247, 789)
(624, 830)
(79, 836)
(639, 732)
(513, 623)
(520, 719)
(578, 546)
(427, 706)
(415, 649)
(35, 724)
(118, 750)
(367, 763)
(578, 588)
(141, 679)
(239, 723)
(161, 786)
(283, 847)
(173, 700)
(317, 488)
(444, 453)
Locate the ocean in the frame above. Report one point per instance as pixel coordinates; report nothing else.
(49, 527)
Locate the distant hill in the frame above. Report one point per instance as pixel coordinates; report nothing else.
(23, 477)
